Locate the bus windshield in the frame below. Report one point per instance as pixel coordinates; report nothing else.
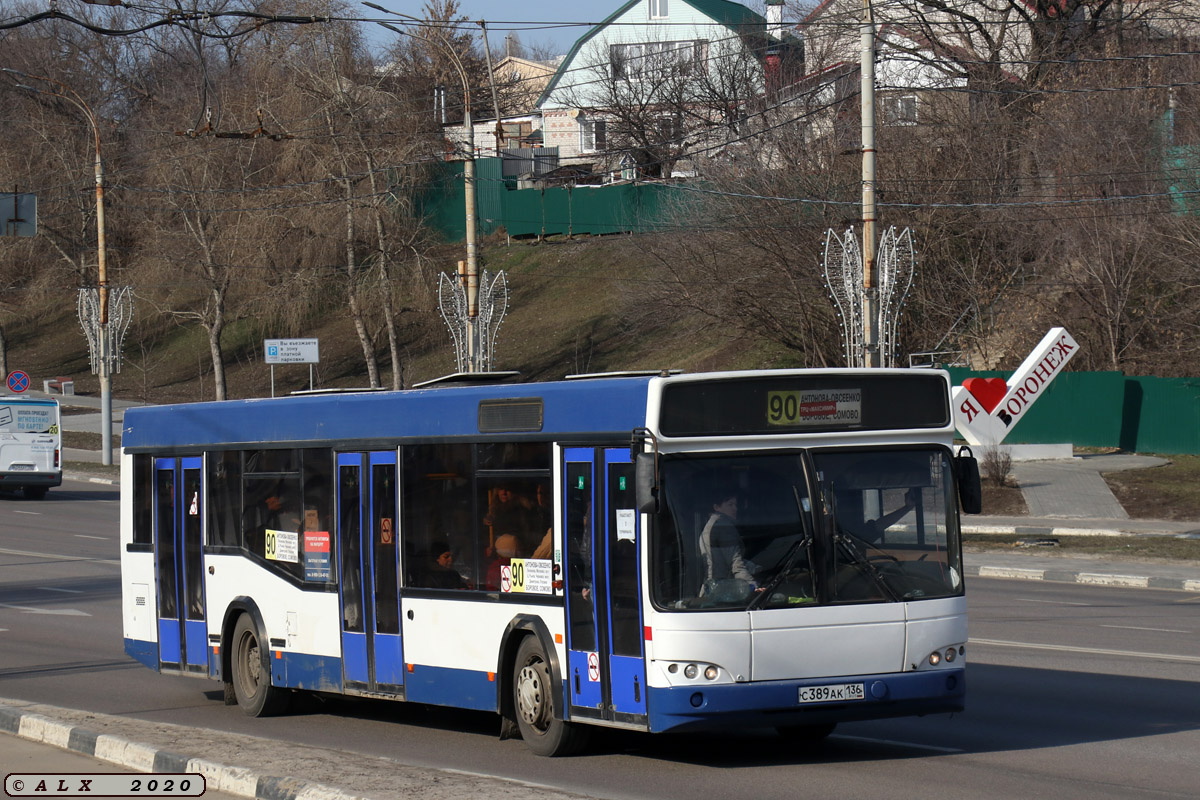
(742, 531)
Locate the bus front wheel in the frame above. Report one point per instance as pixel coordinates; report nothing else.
(251, 673)
(546, 733)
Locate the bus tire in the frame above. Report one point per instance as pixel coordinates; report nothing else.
(544, 731)
(806, 733)
(35, 492)
(251, 673)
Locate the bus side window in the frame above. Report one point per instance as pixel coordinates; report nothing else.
(225, 497)
(437, 512)
(316, 550)
(143, 499)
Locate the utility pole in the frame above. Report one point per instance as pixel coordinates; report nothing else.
(102, 366)
(474, 345)
(870, 310)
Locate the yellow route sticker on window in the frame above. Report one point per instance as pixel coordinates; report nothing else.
(283, 546)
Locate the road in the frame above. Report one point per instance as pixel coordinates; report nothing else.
(1074, 691)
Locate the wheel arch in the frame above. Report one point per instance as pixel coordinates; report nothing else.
(518, 628)
(238, 606)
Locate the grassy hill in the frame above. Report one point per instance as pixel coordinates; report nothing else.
(574, 308)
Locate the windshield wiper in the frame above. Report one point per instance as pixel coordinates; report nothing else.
(789, 559)
(844, 540)
(864, 565)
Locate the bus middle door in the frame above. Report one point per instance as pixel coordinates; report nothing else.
(606, 669)
(372, 655)
(179, 564)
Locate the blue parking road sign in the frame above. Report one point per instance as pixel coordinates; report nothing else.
(18, 381)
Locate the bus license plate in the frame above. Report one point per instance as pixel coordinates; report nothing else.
(831, 694)
(22, 467)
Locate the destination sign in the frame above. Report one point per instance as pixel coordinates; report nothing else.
(806, 401)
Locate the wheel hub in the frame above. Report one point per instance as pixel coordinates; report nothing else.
(531, 697)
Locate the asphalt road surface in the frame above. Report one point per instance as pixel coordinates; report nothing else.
(1073, 692)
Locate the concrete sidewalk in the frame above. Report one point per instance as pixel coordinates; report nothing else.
(280, 771)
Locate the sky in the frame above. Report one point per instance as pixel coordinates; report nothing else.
(556, 23)
(561, 21)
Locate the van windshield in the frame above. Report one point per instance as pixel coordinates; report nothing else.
(745, 531)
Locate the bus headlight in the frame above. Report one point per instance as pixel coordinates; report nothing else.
(951, 654)
(935, 658)
(690, 671)
(711, 672)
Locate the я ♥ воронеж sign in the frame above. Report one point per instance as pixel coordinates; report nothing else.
(987, 409)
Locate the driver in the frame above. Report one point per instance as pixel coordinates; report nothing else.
(721, 544)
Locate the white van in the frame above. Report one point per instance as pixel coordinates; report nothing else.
(30, 445)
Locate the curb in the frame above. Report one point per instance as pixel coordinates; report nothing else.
(1029, 530)
(144, 758)
(1088, 578)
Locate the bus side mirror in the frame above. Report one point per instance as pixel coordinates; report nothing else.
(970, 487)
(646, 483)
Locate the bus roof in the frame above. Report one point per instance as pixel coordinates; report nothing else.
(32, 401)
(588, 408)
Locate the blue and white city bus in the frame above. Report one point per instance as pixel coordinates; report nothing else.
(651, 552)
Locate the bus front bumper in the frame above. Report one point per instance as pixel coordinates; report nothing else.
(776, 703)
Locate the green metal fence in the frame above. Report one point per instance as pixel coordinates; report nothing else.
(557, 211)
(1109, 409)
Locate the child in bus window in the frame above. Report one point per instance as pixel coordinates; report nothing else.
(505, 550)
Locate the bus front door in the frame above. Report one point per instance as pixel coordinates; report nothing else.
(179, 564)
(606, 668)
(372, 656)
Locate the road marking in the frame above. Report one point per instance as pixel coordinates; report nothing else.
(895, 743)
(58, 557)
(1139, 628)
(58, 612)
(82, 536)
(1095, 651)
(1052, 602)
(56, 589)
(30, 513)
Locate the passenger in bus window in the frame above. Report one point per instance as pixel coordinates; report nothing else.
(721, 546)
(545, 548)
(440, 572)
(509, 513)
(505, 550)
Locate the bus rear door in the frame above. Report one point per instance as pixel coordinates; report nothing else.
(179, 564)
(372, 654)
(606, 669)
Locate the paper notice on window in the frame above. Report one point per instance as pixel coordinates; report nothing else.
(626, 524)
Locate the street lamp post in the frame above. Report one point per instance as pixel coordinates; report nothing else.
(474, 343)
(103, 365)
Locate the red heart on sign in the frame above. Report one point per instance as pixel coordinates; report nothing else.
(988, 391)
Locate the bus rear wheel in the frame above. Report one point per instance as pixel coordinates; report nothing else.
(251, 673)
(545, 732)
